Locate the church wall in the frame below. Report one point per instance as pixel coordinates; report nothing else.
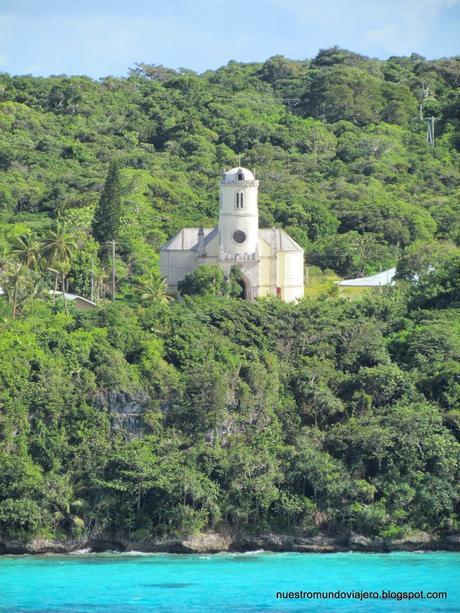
(265, 288)
(265, 276)
(290, 275)
(175, 264)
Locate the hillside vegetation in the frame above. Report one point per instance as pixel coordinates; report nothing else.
(337, 143)
(154, 416)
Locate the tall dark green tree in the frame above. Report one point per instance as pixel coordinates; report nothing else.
(106, 222)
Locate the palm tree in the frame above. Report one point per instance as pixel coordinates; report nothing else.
(99, 280)
(60, 245)
(17, 283)
(5, 252)
(155, 289)
(28, 251)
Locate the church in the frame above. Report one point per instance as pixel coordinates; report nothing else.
(271, 262)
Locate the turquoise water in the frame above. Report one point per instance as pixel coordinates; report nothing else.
(127, 583)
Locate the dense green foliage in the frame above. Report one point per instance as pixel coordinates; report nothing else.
(337, 143)
(331, 414)
(152, 415)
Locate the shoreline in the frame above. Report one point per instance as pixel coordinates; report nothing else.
(214, 543)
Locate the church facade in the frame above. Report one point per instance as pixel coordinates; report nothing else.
(271, 262)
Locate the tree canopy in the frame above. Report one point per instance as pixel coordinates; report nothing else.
(157, 416)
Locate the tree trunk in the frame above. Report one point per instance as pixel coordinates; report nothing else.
(63, 294)
(15, 299)
(55, 287)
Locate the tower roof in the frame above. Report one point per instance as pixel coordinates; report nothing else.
(238, 174)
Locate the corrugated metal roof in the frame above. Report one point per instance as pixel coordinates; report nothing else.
(68, 296)
(71, 297)
(382, 278)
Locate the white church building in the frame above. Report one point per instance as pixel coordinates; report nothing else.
(271, 262)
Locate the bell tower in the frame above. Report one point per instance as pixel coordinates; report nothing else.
(238, 213)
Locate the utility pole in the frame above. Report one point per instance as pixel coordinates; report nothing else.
(92, 279)
(113, 271)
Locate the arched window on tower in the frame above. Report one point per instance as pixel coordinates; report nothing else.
(239, 200)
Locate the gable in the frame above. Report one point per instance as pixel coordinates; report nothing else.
(281, 239)
(185, 240)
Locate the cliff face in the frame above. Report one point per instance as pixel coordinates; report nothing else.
(126, 410)
(212, 542)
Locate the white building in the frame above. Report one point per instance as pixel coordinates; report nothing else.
(272, 263)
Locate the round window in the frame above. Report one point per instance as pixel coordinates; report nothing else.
(239, 236)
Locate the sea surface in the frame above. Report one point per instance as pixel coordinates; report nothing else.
(137, 583)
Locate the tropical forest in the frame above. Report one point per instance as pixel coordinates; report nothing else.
(158, 414)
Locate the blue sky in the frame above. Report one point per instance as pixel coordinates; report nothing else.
(106, 37)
